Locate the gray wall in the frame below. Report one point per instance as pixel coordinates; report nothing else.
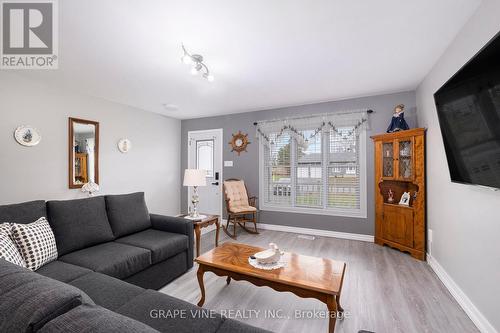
(41, 172)
(246, 165)
(464, 219)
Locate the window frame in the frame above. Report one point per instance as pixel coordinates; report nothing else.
(361, 212)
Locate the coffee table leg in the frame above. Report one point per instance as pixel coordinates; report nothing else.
(339, 308)
(197, 231)
(217, 225)
(331, 303)
(228, 280)
(200, 274)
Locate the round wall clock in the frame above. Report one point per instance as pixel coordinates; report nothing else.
(124, 145)
(27, 136)
(239, 142)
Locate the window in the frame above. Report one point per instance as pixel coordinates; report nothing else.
(318, 171)
(205, 156)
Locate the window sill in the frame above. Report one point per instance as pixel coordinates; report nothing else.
(359, 213)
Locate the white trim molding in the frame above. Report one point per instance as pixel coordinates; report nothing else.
(316, 232)
(470, 309)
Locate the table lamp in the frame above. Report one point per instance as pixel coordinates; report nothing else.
(195, 178)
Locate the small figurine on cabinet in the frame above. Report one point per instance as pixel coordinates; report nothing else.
(390, 196)
(398, 122)
(405, 199)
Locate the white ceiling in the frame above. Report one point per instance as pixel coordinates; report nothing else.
(263, 53)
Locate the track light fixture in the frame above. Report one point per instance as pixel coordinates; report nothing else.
(197, 65)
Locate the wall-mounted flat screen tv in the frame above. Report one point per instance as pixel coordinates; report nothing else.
(468, 107)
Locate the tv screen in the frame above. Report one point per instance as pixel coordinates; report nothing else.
(468, 107)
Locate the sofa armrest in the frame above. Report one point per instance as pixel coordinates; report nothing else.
(176, 225)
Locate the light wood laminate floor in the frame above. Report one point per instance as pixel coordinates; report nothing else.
(384, 290)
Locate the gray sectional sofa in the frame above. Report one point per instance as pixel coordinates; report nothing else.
(113, 256)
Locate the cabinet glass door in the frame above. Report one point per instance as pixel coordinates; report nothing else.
(388, 159)
(405, 158)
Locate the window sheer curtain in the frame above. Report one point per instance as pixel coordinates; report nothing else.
(313, 163)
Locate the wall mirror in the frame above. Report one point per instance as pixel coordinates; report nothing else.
(83, 152)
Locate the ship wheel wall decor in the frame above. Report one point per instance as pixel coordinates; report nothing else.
(239, 142)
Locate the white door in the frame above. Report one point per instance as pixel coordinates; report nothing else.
(205, 152)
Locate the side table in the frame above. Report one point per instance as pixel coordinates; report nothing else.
(203, 223)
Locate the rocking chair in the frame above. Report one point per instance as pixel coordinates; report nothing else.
(240, 207)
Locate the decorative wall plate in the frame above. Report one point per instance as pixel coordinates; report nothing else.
(27, 136)
(124, 145)
(239, 142)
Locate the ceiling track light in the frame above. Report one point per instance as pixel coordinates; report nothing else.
(197, 65)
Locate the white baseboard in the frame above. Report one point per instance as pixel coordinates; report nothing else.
(316, 232)
(470, 309)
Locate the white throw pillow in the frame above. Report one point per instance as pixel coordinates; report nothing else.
(35, 242)
(8, 249)
(6, 227)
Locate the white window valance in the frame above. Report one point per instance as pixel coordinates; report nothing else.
(294, 126)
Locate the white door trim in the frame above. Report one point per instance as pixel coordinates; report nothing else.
(220, 131)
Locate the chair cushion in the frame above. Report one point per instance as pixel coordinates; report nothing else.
(25, 212)
(8, 249)
(105, 290)
(115, 259)
(22, 292)
(243, 209)
(236, 194)
(78, 224)
(127, 213)
(142, 308)
(162, 244)
(95, 319)
(62, 271)
(35, 242)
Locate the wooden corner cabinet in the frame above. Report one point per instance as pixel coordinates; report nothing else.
(400, 168)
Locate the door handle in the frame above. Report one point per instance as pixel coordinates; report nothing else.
(215, 183)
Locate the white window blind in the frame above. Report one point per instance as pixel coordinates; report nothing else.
(277, 174)
(316, 165)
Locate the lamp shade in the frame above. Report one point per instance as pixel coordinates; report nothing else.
(195, 177)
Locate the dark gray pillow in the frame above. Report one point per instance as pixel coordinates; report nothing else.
(78, 224)
(95, 319)
(127, 213)
(24, 213)
(29, 300)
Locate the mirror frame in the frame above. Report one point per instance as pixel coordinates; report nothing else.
(71, 150)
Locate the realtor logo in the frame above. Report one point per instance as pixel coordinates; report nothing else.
(29, 34)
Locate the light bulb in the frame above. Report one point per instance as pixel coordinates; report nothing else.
(187, 59)
(194, 71)
(210, 78)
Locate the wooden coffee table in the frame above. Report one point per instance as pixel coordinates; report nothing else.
(307, 277)
(203, 223)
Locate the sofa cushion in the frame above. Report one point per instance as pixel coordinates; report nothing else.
(95, 319)
(162, 244)
(78, 224)
(145, 308)
(22, 292)
(62, 271)
(127, 213)
(158, 275)
(105, 290)
(115, 259)
(25, 212)
(35, 242)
